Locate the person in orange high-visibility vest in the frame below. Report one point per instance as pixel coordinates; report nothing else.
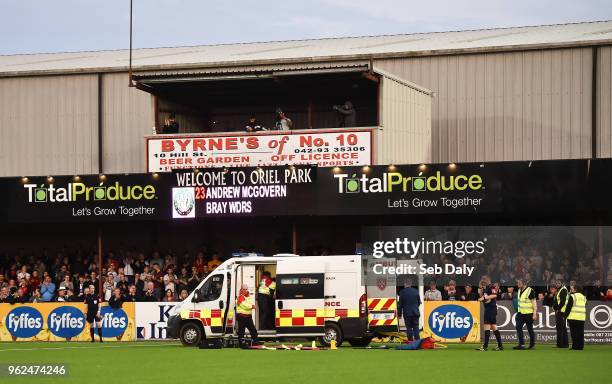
(244, 316)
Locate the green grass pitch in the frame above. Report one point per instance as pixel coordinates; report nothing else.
(169, 362)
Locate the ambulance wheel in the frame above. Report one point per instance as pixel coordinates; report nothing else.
(332, 332)
(190, 334)
(360, 342)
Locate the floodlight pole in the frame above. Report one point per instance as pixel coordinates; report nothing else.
(99, 261)
(131, 81)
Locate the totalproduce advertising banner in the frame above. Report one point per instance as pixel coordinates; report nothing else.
(597, 327)
(151, 320)
(409, 189)
(273, 148)
(452, 321)
(63, 322)
(505, 188)
(87, 198)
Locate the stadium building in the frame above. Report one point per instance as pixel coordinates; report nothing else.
(474, 99)
(526, 93)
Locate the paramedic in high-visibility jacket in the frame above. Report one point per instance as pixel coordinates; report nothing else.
(560, 305)
(526, 314)
(576, 316)
(265, 301)
(244, 317)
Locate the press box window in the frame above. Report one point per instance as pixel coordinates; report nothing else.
(306, 286)
(211, 290)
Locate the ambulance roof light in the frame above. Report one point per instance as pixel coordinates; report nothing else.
(286, 255)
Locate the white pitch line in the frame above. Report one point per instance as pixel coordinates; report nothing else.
(87, 347)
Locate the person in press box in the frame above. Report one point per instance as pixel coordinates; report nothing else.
(346, 114)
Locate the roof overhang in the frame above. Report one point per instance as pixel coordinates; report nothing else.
(146, 81)
(248, 72)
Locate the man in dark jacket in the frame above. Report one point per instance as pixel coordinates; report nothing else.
(346, 114)
(560, 300)
(116, 301)
(408, 307)
(132, 295)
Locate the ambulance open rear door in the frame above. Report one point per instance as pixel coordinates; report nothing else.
(382, 301)
(299, 304)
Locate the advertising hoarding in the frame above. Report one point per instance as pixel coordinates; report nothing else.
(597, 327)
(151, 320)
(505, 188)
(342, 148)
(452, 321)
(63, 322)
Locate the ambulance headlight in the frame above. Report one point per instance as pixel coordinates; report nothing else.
(176, 309)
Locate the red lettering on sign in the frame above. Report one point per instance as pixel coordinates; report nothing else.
(215, 144)
(199, 145)
(231, 143)
(167, 145)
(252, 143)
(176, 161)
(183, 144)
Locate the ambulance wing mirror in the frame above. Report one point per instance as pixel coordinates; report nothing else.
(196, 297)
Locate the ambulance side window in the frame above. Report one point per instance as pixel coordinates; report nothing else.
(302, 286)
(211, 290)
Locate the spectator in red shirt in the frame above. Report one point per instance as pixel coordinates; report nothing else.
(34, 281)
(158, 275)
(199, 262)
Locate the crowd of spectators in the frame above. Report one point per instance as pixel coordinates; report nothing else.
(158, 275)
(63, 275)
(538, 263)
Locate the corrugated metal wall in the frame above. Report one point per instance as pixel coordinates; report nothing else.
(506, 106)
(604, 102)
(48, 125)
(127, 118)
(405, 119)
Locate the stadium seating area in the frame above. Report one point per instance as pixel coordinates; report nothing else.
(166, 275)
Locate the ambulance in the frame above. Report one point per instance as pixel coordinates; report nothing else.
(316, 297)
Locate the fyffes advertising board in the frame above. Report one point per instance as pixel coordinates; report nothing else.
(63, 322)
(452, 321)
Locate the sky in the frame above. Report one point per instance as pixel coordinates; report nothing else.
(35, 26)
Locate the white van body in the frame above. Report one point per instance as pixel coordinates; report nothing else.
(316, 297)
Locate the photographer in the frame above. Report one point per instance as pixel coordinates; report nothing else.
(346, 114)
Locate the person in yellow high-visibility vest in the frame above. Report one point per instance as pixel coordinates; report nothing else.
(526, 314)
(244, 317)
(575, 313)
(559, 305)
(265, 301)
